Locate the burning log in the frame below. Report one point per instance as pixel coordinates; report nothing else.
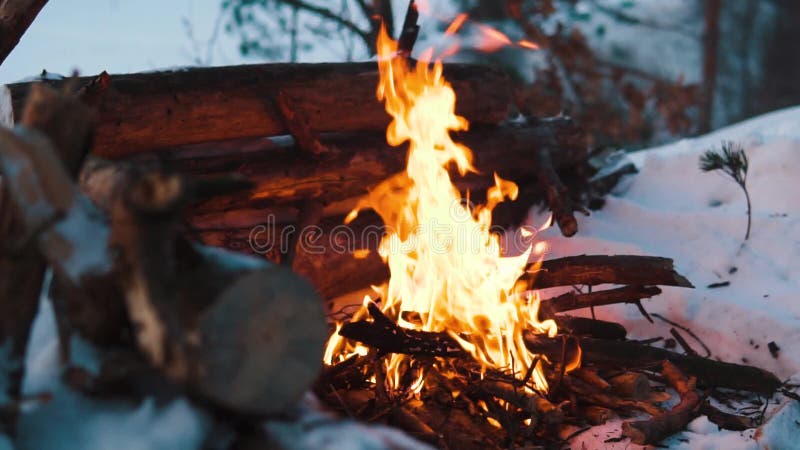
(656, 429)
(147, 111)
(709, 372)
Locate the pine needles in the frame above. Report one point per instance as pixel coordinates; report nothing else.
(732, 161)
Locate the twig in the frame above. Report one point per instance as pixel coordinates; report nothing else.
(685, 345)
(687, 330)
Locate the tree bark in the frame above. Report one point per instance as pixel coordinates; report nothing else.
(157, 110)
(15, 17)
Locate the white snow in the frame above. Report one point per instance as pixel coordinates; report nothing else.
(670, 209)
(673, 209)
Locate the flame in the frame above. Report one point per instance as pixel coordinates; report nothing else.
(447, 271)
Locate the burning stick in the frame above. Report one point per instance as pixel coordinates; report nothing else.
(658, 428)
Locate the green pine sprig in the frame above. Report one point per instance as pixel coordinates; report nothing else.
(731, 159)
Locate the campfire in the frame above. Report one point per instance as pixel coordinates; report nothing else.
(196, 249)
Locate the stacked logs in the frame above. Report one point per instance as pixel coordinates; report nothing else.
(464, 406)
(208, 122)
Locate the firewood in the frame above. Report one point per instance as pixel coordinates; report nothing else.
(621, 354)
(246, 335)
(596, 415)
(157, 110)
(572, 300)
(286, 174)
(631, 385)
(590, 395)
(601, 269)
(656, 429)
(387, 337)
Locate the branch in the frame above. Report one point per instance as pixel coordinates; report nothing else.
(656, 429)
(332, 16)
(15, 17)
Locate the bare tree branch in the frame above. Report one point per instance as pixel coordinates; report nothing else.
(15, 17)
(326, 13)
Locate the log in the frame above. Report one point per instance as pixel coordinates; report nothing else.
(156, 110)
(283, 174)
(241, 333)
(602, 269)
(630, 354)
(573, 300)
(656, 429)
(630, 385)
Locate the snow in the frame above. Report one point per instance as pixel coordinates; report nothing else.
(670, 209)
(673, 209)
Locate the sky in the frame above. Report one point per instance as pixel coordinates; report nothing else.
(116, 35)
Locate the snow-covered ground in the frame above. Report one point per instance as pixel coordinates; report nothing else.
(673, 209)
(670, 209)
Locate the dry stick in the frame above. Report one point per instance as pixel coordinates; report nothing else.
(685, 345)
(571, 300)
(656, 429)
(15, 18)
(686, 329)
(557, 195)
(603, 269)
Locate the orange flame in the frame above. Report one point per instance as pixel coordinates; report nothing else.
(447, 271)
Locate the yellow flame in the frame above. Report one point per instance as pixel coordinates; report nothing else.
(447, 271)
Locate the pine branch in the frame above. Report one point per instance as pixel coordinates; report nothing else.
(732, 160)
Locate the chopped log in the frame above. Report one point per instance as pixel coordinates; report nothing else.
(601, 269)
(156, 110)
(243, 334)
(573, 300)
(656, 429)
(630, 354)
(15, 17)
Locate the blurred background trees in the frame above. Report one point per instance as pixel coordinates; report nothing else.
(634, 72)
